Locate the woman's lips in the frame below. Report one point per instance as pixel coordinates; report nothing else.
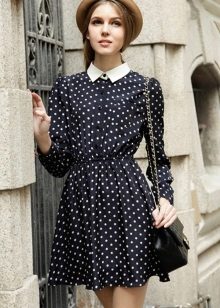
(105, 43)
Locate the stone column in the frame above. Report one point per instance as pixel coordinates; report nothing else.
(18, 285)
(202, 64)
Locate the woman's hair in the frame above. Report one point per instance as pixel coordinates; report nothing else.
(89, 53)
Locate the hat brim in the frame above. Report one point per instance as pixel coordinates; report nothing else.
(132, 7)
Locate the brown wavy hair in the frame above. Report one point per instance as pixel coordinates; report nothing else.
(89, 54)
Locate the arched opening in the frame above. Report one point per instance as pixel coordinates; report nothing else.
(206, 95)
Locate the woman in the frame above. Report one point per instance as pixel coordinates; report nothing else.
(97, 119)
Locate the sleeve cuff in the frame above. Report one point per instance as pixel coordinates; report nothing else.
(167, 194)
(49, 153)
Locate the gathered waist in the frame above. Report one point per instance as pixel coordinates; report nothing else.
(91, 159)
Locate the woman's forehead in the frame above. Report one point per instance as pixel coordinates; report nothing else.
(107, 8)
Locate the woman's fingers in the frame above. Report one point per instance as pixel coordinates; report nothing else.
(37, 101)
(168, 219)
(160, 213)
(166, 215)
(38, 108)
(41, 119)
(42, 114)
(155, 213)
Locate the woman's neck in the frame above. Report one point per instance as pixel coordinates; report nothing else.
(106, 63)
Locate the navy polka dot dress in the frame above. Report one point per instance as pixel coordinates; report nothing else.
(104, 231)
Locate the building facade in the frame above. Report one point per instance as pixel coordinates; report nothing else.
(180, 46)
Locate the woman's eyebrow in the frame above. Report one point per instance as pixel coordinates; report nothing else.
(99, 17)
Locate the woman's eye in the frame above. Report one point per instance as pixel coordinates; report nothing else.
(116, 23)
(96, 22)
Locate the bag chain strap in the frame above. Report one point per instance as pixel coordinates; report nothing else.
(152, 162)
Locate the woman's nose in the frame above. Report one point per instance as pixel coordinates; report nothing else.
(105, 29)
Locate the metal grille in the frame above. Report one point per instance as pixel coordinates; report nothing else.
(44, 55)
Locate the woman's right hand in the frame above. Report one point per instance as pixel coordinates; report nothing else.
(41, 119)
(41, 124)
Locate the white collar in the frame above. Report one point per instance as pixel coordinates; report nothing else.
(113, 74)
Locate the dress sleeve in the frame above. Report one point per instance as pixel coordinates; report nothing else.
(165, 177)
(59, 158)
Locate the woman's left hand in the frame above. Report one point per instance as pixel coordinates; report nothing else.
(165, 216)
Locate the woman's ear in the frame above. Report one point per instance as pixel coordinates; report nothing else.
(87, 36)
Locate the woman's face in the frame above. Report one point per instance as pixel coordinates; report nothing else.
(106, 30)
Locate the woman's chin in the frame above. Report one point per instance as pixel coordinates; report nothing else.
(107, 52)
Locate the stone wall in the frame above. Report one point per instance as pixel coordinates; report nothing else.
(202, 79)
(180, 46)
(18, 285)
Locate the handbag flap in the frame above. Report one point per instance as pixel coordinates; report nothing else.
(176, 230)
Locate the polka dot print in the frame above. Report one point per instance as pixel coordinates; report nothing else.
(104, 230)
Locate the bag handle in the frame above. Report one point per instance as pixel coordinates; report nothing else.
(151, 158)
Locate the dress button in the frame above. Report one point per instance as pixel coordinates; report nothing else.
(97, 126)
(96, 146)
(104, 75)
(100, 107)
(101, 93)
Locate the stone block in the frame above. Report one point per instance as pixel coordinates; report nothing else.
(209, 274)
(11, 272)
(17, 142)
(26, 231)
(209, 114)
(12, 51)
(74, 62)
(180, 170)
(16, 248)
(210, 222)
(165, 21)
(140, 59)
(166, 64)
(210, 187)
(25, 297)
(208, 243)
(193, 51)
(168, 68)
(210, 32)
(6, 50)
(176, 127)
(182, 288)
(72, 36)
(18, 43)
(197, 164)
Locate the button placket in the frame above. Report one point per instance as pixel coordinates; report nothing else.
(98, 123)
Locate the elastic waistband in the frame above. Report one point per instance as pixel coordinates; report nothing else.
(79, 161)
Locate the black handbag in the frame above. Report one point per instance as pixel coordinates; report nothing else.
(171, 245)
